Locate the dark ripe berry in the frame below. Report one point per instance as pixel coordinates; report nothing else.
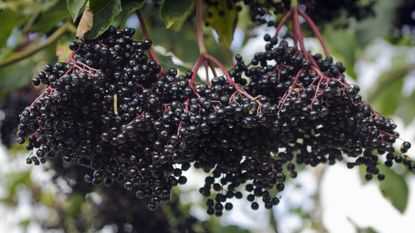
(405, 147)
(254, 205)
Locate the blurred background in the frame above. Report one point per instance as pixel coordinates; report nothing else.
(378, 52)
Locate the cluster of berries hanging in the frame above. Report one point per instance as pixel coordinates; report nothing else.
(111, 108)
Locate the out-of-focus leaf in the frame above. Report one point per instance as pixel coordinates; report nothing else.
(13, 181)
(62, 48)
(406, 110)
(386, 96)
(389, 99)
(51, 17)
(394, 188)
(9, 21)
(127, 8)
(174, 13)
(15, 76)
(47, 199)
(103, 13)
(223, 20)
(362, 229)
(377, 26)
(75, 204)
(25, 224)
(75, 7)
(166, 60)
(343, 45)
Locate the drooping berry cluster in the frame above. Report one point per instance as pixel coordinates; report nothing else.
(83, 113)
(10, 108)
(109, 108)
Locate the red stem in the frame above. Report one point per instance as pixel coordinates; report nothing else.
(316, 32)
(297, 30)
(205, 63)
(282, 22)
(196, 68)
(199, 27)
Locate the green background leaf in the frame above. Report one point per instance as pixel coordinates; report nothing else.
(174, 13)
(394, 188)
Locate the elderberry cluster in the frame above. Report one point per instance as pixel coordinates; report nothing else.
(110, 109)
(84, 112)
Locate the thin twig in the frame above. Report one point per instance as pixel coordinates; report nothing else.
(32, 50)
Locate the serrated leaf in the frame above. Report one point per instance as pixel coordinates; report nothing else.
(51, 17)
(9, 21)
(394, 188)
(103, 12)
(127, 8)
(75, 7)
(223, 20)
(174, 13)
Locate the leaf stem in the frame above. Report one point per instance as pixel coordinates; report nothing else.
(316, 32)
(32, 50)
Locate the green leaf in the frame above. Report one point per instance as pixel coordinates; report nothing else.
(166, 60)
(13, 181)
(174, 13)
(75, 7)
(380, 25)
(394, 188)
(103, 13)
(75, 204)
(386, 96)
(50, 17)
(343, 45)
(128, 7)
(10, 20)
(15, 76)
(406, 110)
(362, 229)
(223, 20)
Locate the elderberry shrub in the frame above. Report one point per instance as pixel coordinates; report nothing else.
(322, 11)
(11, 106)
